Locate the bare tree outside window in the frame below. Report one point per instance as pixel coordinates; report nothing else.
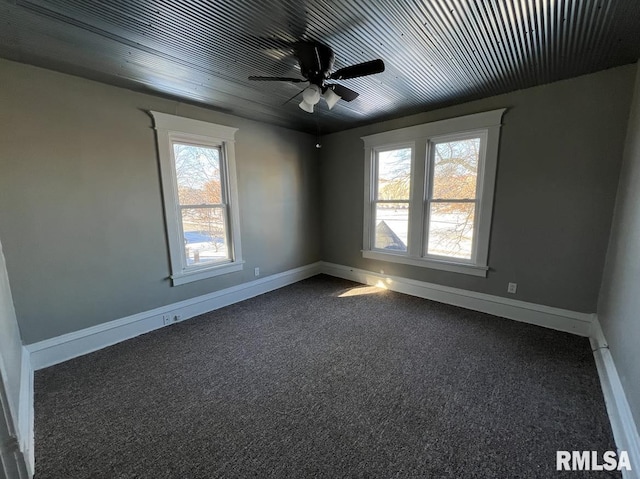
(200, 196)
(394, 174)
(453, 198)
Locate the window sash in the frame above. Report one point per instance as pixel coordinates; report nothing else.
(223, 205)
(431, 147)
(223, 171)
(376, 184)
(427, 228)
(429, 191)
(228, 243)
(374, 195)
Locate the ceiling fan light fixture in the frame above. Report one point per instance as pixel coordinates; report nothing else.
(331, 97)
(311, 94)
(308, 107)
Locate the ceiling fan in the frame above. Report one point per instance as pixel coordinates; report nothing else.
(316, 62)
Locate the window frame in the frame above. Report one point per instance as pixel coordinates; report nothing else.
(430, 173)
(375, 192)
(171, 129)
(485, 125)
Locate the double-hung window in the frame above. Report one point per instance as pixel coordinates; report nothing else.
(197, 163)
(452, 197)
(429, 193)
(392, 198)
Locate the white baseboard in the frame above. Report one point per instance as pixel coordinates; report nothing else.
(625, 430)
(546, 316)
(26, 413)
(68, 346)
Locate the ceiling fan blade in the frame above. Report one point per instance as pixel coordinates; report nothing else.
(292, 80)
(359, 70)
(343, 92)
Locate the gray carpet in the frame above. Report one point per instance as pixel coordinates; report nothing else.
(313, 380)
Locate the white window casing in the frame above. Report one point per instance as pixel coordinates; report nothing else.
(170, 130)
(422, 138)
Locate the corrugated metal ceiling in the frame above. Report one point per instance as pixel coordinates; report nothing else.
(437, 52)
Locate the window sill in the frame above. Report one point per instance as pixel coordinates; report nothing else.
(197, 275)
(470, 269)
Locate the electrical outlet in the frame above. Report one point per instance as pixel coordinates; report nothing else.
(257, 271)
(166, 319)
(512, 288)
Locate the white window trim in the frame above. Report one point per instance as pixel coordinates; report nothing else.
(171, 128)
(486, 123)
(372, 203)
(477, 245)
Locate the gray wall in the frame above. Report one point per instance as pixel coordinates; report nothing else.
(80, 201)
(619, 303)
(558, 167)
(10, 344)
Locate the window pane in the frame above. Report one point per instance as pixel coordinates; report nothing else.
(451, 229)
(205, 238)
(455, 169)
(394, 174)
(392, 226)
(198, 174)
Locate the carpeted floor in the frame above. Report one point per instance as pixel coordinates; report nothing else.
(325, 378)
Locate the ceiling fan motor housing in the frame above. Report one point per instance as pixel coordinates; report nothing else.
(316, 61)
